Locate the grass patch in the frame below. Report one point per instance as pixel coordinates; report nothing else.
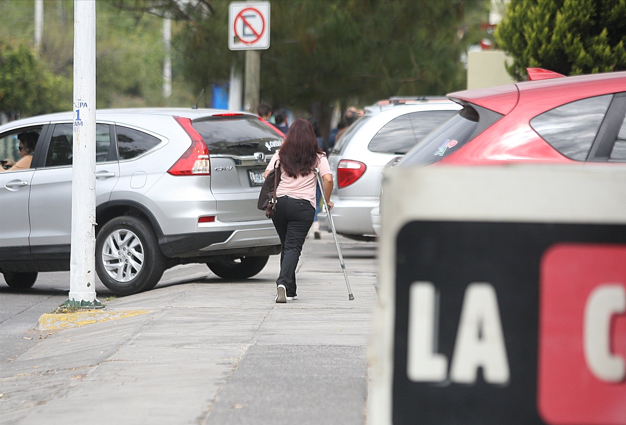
(67, 310)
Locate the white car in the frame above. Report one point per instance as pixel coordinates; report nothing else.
(357, 160)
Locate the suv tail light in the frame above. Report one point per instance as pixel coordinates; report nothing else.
(195, 161)
(348, 172)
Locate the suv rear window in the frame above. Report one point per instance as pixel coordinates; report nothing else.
(240, 135)
(572, 128)
(399, 135)
(451, 136)
(131, 143)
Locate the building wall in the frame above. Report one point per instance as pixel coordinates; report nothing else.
(486, 69)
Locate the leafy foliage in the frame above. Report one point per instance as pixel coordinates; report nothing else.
(566, 36)
(327, 50)
(129, 62)
(26, 86)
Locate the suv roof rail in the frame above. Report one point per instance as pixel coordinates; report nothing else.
(402, 100)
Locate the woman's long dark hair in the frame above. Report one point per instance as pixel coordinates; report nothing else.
(298, 154)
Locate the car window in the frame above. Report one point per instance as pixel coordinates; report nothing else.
(426, 121)
(619, 148)
(239, 135)
(399, 135)
(448, 138)
(61, 149)
(131, 143)
(572, 128)
(349, 133)
(10, 142)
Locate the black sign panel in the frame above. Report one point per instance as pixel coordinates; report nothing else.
(506, 257)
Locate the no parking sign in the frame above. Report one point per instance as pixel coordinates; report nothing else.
(249, 26)
(502, 297)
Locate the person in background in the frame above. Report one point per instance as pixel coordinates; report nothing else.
(264, 111)
(332, 138)
(298, 156)
(349, 118)
(27, 144)
(280, 120)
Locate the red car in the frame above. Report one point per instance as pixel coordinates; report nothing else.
(551, 118)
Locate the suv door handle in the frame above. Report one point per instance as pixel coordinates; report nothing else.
(16, 184)
(104, 174)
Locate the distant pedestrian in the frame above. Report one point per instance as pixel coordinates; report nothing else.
(298, 156)
(280, 120)
(264, 111)
(351, 115)
(332, 138)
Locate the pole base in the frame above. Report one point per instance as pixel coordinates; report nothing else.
(82, 304)
(350, 297)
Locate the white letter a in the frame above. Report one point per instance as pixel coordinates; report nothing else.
(479, 339)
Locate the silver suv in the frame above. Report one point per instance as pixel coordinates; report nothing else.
(173, 186)
(385, 132)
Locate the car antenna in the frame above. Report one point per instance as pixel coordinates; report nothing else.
(199, 97)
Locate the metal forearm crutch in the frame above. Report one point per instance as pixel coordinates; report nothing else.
(332, 226)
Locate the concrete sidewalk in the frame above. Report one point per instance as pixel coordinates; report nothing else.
(211, 352)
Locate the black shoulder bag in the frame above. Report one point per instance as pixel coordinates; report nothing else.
(267, 197)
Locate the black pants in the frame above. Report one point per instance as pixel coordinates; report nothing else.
(292, 220)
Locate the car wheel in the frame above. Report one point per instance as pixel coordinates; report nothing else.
(128, 258)
(238, 268)
(17, 280)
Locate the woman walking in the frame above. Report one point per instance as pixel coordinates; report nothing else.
(298, 157)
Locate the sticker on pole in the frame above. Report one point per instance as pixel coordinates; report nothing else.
(249, 26)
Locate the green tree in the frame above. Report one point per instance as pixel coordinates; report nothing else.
(337, 50)
(129, 49)
(27, 87)
(566, 36)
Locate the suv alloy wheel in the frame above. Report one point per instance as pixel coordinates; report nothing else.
(128, 258)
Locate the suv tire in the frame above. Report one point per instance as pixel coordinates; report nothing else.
(18, 280)
(238, 268)
(128, 258)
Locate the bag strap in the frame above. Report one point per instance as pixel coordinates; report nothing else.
(276, 177)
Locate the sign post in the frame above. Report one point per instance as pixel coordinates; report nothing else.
(502, 297)
(249, 30)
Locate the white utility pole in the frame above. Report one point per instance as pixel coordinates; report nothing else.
(38, 25)
(167, 64)
(82, 258)
(235, 90)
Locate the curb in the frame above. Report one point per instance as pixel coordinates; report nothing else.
(52, 322)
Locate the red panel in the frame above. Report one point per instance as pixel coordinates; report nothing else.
(500, 99)
(536, 74)
(568, 391)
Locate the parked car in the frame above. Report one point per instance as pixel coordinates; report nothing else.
(551, 118)
(384, 132)
(173, 186)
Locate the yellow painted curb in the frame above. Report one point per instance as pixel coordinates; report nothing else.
(51, 322)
